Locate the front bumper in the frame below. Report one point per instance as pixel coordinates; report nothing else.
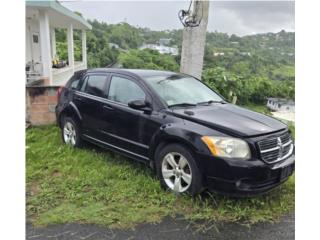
(244, 178)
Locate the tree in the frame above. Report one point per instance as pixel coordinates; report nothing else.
(148, 59)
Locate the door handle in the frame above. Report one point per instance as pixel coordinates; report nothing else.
(107, 107)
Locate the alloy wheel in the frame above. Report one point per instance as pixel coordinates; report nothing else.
(176, 172)
(69, 133)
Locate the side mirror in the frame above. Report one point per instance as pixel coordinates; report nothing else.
(140, 105)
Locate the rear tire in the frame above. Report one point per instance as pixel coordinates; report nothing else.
(177, 170)
(70, 133)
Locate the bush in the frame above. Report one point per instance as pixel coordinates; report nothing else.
(148, 59)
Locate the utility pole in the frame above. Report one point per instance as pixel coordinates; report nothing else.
(194, 38)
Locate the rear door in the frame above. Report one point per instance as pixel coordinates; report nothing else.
(89, 99)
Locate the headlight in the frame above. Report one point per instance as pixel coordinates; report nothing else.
(227, 147)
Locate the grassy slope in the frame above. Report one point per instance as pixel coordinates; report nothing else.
(91, 185)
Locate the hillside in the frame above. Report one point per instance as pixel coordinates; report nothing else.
(250, 67)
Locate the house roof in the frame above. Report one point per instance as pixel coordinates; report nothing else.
(58, 14)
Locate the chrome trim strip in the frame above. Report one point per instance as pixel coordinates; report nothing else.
(101, 99)
(270, 149)
(110, 145)
(125, 139)
(276, 148)
(285, 156)
(287, 143)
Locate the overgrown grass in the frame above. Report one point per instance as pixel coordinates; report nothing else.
(91, 185)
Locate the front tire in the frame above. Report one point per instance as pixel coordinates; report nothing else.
(177, 170)
(71, 133)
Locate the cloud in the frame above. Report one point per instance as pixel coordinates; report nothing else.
(238, 17)
(251, 16)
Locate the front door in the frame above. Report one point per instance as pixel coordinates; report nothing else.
(123, 124)
(35, 47)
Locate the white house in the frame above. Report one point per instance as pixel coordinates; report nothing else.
(164, 41)
(161, 49)
(114, 45)
(42, 18)
(216, 54)
(282, 105)
(283, 109)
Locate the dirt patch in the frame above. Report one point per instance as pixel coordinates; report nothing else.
(33, 189)
(56, 173)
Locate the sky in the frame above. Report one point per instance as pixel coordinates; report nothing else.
(232, 17)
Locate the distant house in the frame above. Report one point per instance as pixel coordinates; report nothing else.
(245, 54)
(216, 54)
(280, 104)
(161, 49)
(113, 45)
(164, 41)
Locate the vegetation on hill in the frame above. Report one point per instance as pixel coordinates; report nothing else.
(251, 67)
(148, 59)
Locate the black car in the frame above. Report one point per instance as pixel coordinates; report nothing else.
(181, 128)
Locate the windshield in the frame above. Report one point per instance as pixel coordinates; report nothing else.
(182, 90)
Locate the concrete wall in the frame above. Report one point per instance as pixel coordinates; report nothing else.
(40, 104)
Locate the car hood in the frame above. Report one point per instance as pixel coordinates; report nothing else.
(231, 119)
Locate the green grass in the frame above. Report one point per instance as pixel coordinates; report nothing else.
(91, 185)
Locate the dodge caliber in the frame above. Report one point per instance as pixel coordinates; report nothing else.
(185, 131)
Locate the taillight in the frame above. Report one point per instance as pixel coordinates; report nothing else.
(59, 92)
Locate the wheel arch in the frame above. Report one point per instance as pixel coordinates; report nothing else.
(70, 111)
(163, 140)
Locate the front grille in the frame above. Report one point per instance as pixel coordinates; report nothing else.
(276, 148)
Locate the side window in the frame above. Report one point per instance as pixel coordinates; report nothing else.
(124, 90)
(95, 85)
(84, 84)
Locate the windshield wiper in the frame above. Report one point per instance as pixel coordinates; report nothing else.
(183, 105)
(211, 101)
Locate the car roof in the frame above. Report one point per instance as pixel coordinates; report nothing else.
(142, 73)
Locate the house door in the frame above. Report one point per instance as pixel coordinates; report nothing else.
(35, 47)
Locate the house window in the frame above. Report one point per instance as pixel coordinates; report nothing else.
(35, 38)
